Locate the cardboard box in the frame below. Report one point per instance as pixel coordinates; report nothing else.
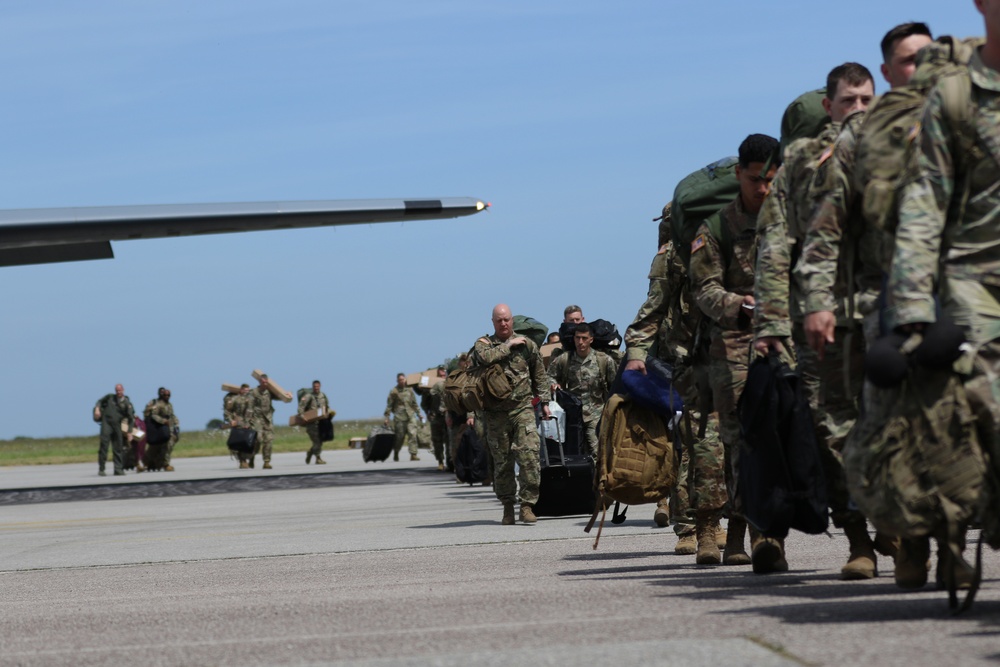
(310, 416)
(230, 388)
(273, 387)
(547, 351)
(424, 379)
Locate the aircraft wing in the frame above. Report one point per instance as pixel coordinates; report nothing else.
(41, 236)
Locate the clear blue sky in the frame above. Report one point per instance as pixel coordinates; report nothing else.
(575, 119)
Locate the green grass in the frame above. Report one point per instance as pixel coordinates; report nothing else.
(46, 451)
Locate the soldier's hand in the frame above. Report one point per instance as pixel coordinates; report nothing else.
(545, 411)
(765, 344)
(471, 421)
(819, 328)
(386, 421)
(555, 387)
(636, 365)
(519, 340)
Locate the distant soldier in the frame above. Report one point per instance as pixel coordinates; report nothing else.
(160, 411)
(263, 421)
(117, 416)
(434, 409)
(510, 426)
(237, 410)
(573, 314)
(315, 400)
(402, 405)
(723, 255)
(587, 374)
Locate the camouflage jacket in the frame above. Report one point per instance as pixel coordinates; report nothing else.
(114, 411)
(435, 403)
(239, 408)
(261, 408)
(781, 229)
(311, 401)
(843, 257)
(668, 318)
(588, 378)
(521, 364)
(402, 404)
(721, 279)
(948, 239)
(161, 412)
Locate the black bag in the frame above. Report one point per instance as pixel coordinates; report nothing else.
(325, 427)
(241, 440)
(781, 482)
(472, 462)
(606, 336)
(156, 434)
(567, 480)
(379, 444)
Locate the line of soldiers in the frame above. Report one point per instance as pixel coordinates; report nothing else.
(794, 267)
(119, 432)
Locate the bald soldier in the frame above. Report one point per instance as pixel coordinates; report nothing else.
(510, 425)
(116, 415)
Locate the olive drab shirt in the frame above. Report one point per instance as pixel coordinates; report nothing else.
(720, 278)
(402, 404)
(522, 364)
(936, 230)
(781, 230)
(588, 378)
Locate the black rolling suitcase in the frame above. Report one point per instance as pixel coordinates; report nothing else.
(567, 478)
(379, 444)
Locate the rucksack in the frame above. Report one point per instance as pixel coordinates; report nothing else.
(302, 392)
(606, 336)
(477, 388)
(781, 483)
(698, 196)
(804, 117)
(530, 328)
(886, 135)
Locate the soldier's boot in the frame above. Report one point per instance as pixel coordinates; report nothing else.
(661, 515)
(911, 562)
(528, 515)
(687, 544)
(887, 545)
(102, 473)
(309, 456)
(708, 550)
(169, 468)
(395, 456)
(508, 515)
(414, 457)
(861, 563)
(319, 461)
(244, 465)
(720, 535)
(139, 467)
(267, 464)
(735, 551)
(768, 555)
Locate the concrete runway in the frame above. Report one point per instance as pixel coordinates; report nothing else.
(396, 564)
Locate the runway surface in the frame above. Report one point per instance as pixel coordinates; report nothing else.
(396, 564)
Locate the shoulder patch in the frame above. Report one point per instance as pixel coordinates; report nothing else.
(914, 133)
(663, 249)
(698, 243)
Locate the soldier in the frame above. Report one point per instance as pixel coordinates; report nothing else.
(667, 325)
(573, 314)
(947, 245)
(237, 410)
(262, 420)
(435, 417)
(161, 411)
(723, 255)
(781, 230)
(116, 414)
(402, 404)
(315, 400)
(510, 426)
(588, 374)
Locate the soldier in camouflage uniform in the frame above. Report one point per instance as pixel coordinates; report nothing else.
(161, 411)
(435, 418)
(666, 326)
(832, 394)
(723, 256)
(112, 410)
(262, 411)
(237, 411)
(587, 374)
(402, 405)
(947, 250)
(315, 400)
(510, 425)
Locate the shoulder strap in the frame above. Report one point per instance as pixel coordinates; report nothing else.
(720, 232)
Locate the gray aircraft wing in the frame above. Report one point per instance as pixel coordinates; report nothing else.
(41, 236)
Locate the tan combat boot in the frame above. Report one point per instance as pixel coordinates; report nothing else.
(912, 562)
(244, 465)
(169, 468)
(508, 515)
(768, 556)
(720, 535)
(687, 544)
(735, 551)
(319, 461)
(861, 563)
(527, 515)
(414, 457)
(267, 465)
(708, 550)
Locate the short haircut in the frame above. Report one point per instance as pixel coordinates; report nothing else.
(400, 375)
(571, 309)
(317, 382)
(583, 328)
(853, 74)
(244, 386)
(902, 31)
(759, 148)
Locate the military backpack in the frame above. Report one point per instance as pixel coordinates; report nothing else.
(697, 197)
(475, 389)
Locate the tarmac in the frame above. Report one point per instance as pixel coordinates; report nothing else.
(397, 564)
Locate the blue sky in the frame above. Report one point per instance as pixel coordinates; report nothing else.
(575, 120)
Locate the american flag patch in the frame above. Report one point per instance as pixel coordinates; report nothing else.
(825, 156)
(698, 243)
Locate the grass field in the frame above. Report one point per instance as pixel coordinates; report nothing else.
(43, 451)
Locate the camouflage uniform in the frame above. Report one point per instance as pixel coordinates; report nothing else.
(948, 246)
(162, 412)
(589, 379)
(510, 426)
(239, 408)
(262, 420)
(833, 394)
(402, 404)
(435, 417)
(113, 411)
(722, 273)
(313, 401)
(667, 325)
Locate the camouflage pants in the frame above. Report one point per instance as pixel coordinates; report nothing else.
(404, 430)
(704, 480)
(833, 388)
(727, 374)
(589, 444)
(439, 436)
(316, 448)
(170, 447)
(983, 390)
(265, 438)
(511, 437)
